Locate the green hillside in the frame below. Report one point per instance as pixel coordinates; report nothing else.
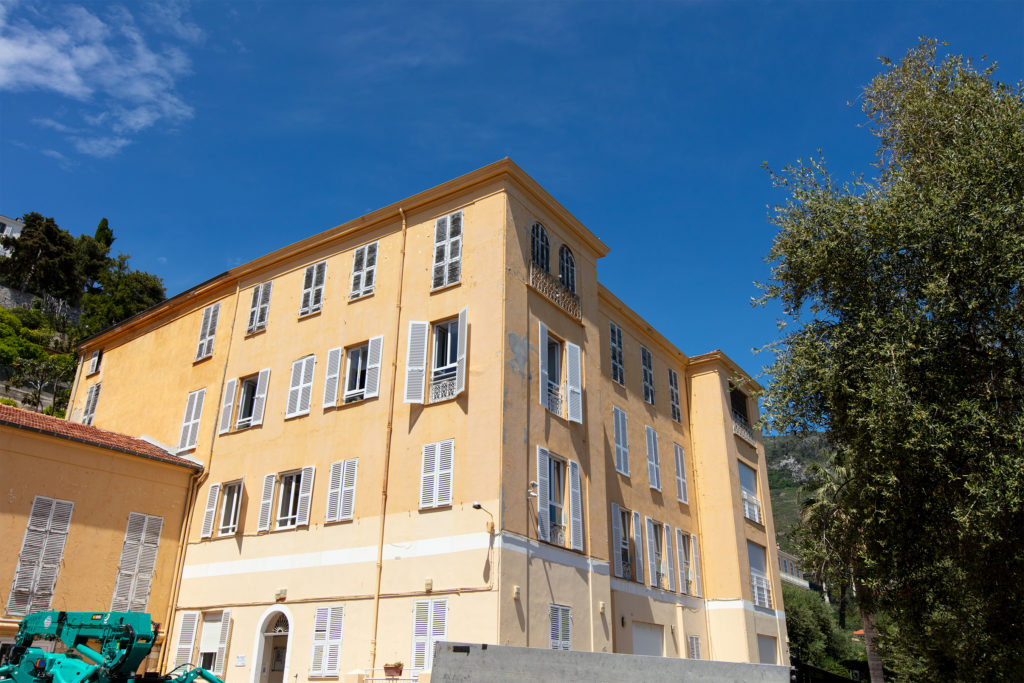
(787, 460)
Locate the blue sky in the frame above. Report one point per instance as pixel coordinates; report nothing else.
(210, 133)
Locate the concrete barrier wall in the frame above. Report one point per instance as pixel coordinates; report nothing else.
(466, 663)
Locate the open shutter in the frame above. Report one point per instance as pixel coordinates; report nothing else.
(621, 441)
(638, 548)
(542, 356)
(254, 308)
(348, 488)
(616, 540)
(186, 420)
(695, 561)
(543, 511)
(127, 567)
(295, 388)
(331, 381)
(222, 644)
(460, 366)
(681, 492)
(227, 406)
(334, 492)
(197, 413)
(416, 361)
(147, 563)
(683, 563)
(261, 320)
(652, 567)
(266, 502)
(204, 328)
(186, 638)
(306, 395)
(574, 381)
(211, 512)
(670, 563)
(575, 505)
(445, 462)
(260, 399)
(420, 633)
(335, 624)
(53, 553)
(428, 477)
(373, 359)
(653, 466)
(316, 658)
(305, 495)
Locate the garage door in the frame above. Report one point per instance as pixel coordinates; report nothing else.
(648, 639)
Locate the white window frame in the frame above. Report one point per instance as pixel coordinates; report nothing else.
(620, 430)
(95, 359)
(682, 494)
(207, 331)
(246, 403)
(328, 626)
(219, 648)
(673, 395)
(272, 500)
(437, 474)
(189, 435)
(39, 561)
(623, 556)
(137, 564)
(289, 486)
(313, 280)
(653, 459)
(560, 627)
(89, 410)
(748, 497)
(259, 307)
(693, 650)
(364, 270)
(229, 508)
(443, 382)
(615, 346)
(571, 490)
(300, 389)
(429, 627)
(447, 268)
(760, 581)
(259, 383)
(647, 366)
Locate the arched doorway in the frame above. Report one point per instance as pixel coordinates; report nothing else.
(272, 648)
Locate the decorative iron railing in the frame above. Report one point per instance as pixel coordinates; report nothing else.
(554, 398)
(557, 293)
(442, 389)
(742, 428)
(751, 507)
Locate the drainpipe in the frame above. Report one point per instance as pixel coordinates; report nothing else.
(700, 531)
(387, 446)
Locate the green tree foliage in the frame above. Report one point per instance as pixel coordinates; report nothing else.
(41, 375)
(42, 260)
(907, 345)
(17, 340)
(813, 632)
(123, 292)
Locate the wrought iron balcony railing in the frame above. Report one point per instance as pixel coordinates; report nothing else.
(557, 293)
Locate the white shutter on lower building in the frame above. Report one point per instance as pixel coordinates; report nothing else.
(575, 505)
(574, 381)
(416, 361)
(147, 563)
(266, 502)
(227, 406)
(374, 354)
(348, 488)
(652, 565)
(445, 465)
(621, 441)
(259, 401)
(222, 642)
(430, 625)
(638, 545)
(305, 495)
(209, 514)
(653, 462)
(616, 540)
(428, 476)
(542, 357)
(333, 375)
(328, 624)
(560, 627)
(695, 561)
(460, 364)
(670, 561)
(186, 638)
(681, 493)
(543, 512)
(683, 559)
(42, 550)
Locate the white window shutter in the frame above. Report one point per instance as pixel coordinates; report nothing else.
(575, 505)
(222, 644)
(438, 627)
(460, 367)
(574, 381)
(295, 388)
(305, 495)
(542, 356)
(374, 355)
(348, 488)
(260, 400)
(227, 406)
(681, 492)
(420, 634)
(316, 658)
(554, 628)
(266, 502)
(186, 421)
(653, 464)
(695, 561)
(186, 638)
(445, 463)
(652, 567)
(566, 627)
(147, 563)
(211, 511)
(254, 308)
(268, 287)
(197, 414)
(335, 626)
(53, 553)
(638, 548)
(428, 476)
(416, 361)
(683, 564)
(616, 540)
(543, 512)
(333, 375)
(358, 263)
(334, 492)
(94, 362)
(128, 565)
(306, 395)
(670, 558)
(621, 441)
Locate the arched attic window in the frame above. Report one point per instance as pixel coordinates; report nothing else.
(540, 249)
(567, 268)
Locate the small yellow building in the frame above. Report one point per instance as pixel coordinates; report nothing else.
(431, 423)
(91, 519)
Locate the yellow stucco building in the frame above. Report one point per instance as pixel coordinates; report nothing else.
(431, 423)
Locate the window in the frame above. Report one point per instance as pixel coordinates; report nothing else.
(341, 491)
(552, 519)
(94, 361)
(448, 370)
(247, 401)
(759, 585)
(748, 493)
(653, 461)
(190, 422)
(567, 268)
(226, 521)
(683, 549)
(436, 475)
(362, 372)
(681, 492)
(560, 617)
(539, 248)
(138, 559)
(252, 397)
(738, 400)
(656, 539)
(615, 342)
(213, 643)
(429, 626)
(553, 393)
(259, 307)
(300, 390)
(186, 638)
(647, 363)
(292, 492)
(694, 642)
(325, 659)
(695, 566)
(673, 395)
(42, 550)
(89, 411)
(621, 441)
(364, 270)
(313, 289)
(626, 558)
(207, 331)
(447, 250)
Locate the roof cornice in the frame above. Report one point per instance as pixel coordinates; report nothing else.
(611, 301)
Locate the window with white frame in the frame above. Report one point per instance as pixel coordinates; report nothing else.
(328, 624)
(447, 343)
(683, 555)
(653, 460)
(760, 585)
(540, 249)
(251, 392)
(656, 566)
(313, 288)
(223, 504)
(748, 493)
(556, 495)
(567, 268)
(682, 495)
(626, 535)
(436, 474)
(615, 343)
(190, 422)
(91, 397)
(619, 425)
(300, 388)
(248, 387)
(647, 364)
(561, 395)
(138, 560)
(673, 395)
(341, 490)
(364, 270)
(695, 566)
(213, 641)
(558, 480)
(560, 621)
(285, 499)
(429, 627)
(447, 250)
(694, 647)
(259, 307)
(42, 550)
(95, 358)
(361, 375)
(207, 331)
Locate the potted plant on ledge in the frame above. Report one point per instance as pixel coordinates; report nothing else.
(393, 670)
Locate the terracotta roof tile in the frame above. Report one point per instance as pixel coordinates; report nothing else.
(44, 424)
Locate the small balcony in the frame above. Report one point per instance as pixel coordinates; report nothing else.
(751, 507)
(742, 428)
(554, 398)
(761, 588)
(557, 534)
(557, 293)
(442, 384)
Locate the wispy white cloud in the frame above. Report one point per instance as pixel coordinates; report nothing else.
(55, 125)
(100, 146)
(62, 161)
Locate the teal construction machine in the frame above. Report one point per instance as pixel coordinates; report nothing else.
(123, 639)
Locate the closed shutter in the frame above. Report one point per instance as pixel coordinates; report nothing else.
(333, 374)
(305, 495)
(543, 512)
(94, 361)
(670, 558)
(207, 331)
(681, 492)
(560, 627)
(364, 262)
(684, 561)
(294, 388)
(52, 554)
(429, 625)
(616, 540)
(261, 319)
(575, 505)
(41, 553)
(438, 627)
(621, 441)
(210, 513)
(328, 625)
(348, 488)
(197, 414)
(460, 365)
(653, 464)
(695, 561)
(318, 285)
(186, 638)
(227, 406)
(638, 545)
(334, 492)
(428, 476)
(652, 565)
(222, 643)
(542, 357)
(147, 563)
(416, 361)
(574, 381)
(260, 400)
(445, 463)
(374, 354)
(316, 658)
(128, 565)
(266, 502)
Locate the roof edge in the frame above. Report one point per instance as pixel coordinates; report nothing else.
(719, 356)
(604, 295)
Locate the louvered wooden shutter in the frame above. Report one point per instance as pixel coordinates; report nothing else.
(266, 502)
(358, 260)
(653, 464)
(684, 562)
(335, 627)
(575, 505)
(316, 658)
(186, 421)
(621, 441)
(211, 511)
(334, 492)
(616, 540)
(91, 397)
(295, 388)
(698, 590)
(204, 328)
(670, 558)
(542, 357)
(560, 627)
(306, 394)
(416, 361)
(94, 362)
(373, 359)
(420, 633)
(186, 638)
(305, 495)
(652, 566)
(318, 285)
(260, 400)
(333, 374)
(52, 554)
(638, 548)
(460, 366)
(147, 563)
(694, 649)
(307, 291)
(681, 492)
(348, 488)
(197, 414)
(222, 644)
(128, 565)
(574, 381)
(438, 627)
(254, 308)
(543, 511)
(227, 406)
(445, 463)
(25, 593)
(261, 320)
(428, 476)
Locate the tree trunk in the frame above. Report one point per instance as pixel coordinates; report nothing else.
(842, 605)
(867, 615)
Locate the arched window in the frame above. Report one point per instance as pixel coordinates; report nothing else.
(539, 247)
(567, 268)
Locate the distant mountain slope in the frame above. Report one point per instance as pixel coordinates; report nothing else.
(787, 460)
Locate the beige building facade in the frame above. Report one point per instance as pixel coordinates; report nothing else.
(433, 423)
